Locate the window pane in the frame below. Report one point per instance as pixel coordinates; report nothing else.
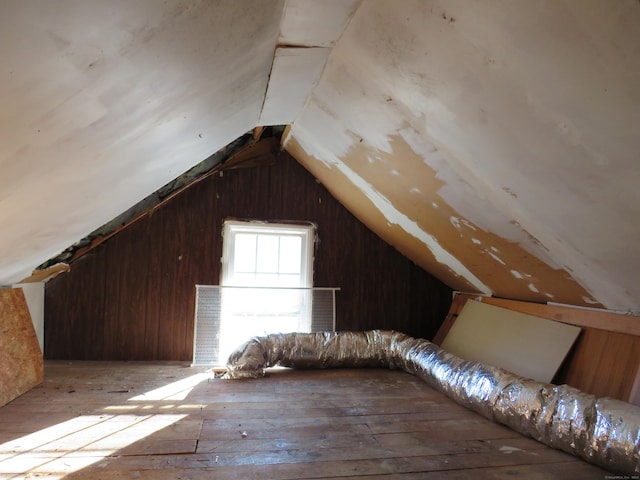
(244, 258)
(290, 251)
(267, 254)
(244, 279)
(289, 280)
(264, 255)
(267, 279)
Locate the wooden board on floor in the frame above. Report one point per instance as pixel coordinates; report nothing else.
(21, 366)
(137, 420)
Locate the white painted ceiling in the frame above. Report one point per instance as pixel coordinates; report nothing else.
(495, 143)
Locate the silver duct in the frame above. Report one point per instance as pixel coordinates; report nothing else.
(602, 431)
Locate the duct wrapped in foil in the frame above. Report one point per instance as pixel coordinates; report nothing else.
(602, 431)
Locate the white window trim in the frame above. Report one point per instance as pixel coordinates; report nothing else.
(305, 231)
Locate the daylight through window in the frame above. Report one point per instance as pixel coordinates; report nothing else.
(270, 267)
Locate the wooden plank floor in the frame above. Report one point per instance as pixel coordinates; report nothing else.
(99, 420)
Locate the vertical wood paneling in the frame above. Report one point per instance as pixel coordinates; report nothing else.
(126, 291)
(133, 298)
(159, 324)
(74, 310)
(603, 363)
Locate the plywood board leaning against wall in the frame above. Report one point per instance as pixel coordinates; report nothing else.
(523, 344)
(603, 361)
(21, 365)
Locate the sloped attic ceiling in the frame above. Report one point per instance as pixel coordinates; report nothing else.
(494, 143)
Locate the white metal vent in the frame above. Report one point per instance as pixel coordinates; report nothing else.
(226, 317)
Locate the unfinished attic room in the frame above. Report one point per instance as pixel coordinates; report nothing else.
(302, 239)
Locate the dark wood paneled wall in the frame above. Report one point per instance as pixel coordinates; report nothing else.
(132, 297)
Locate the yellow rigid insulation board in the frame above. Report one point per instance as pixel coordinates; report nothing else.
(526, 345)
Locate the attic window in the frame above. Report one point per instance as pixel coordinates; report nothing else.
(267, 255)
(267, 275)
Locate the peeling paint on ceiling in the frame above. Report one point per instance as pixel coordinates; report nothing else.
(527, 113)
(495, 144)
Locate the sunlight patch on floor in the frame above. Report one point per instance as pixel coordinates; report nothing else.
(175, 391)
(70, 446)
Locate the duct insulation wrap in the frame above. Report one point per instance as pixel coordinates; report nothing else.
(602, 431)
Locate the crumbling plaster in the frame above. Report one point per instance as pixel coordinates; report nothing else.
(526, 113)
(494, 143)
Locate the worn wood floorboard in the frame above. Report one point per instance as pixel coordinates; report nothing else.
(99, 420)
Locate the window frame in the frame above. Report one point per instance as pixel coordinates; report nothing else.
(306, 231)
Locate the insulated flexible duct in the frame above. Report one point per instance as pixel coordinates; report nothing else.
(602, 431)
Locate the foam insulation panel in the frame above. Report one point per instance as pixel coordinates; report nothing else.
(529, 346)
(21, 365)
